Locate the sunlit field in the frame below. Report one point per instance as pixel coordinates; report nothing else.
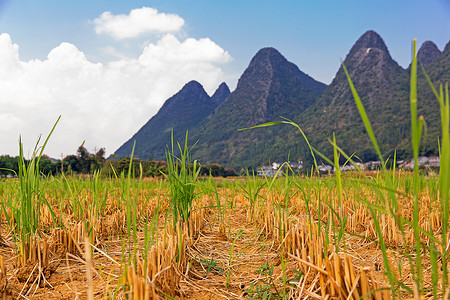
(250, 237)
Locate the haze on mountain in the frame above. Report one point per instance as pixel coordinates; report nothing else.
(271, 87)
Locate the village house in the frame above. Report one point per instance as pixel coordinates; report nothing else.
(361, 166)
(344, 168)
(324, 168)
(434, 161)
(373, 165)
(421, 161)
(296, 165)
(271, 171)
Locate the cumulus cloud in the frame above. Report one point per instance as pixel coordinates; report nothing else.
(137, 22)
(104, 104)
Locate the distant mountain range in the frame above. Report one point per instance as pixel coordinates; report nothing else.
(272, 87)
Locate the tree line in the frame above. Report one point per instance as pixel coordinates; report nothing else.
(84, 162)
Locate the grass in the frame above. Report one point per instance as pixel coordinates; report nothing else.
(182, 177)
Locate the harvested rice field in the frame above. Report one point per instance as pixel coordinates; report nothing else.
(378, 235)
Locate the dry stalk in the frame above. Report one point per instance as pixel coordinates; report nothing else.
(341, 280)
(88, 255)
(32, 252)
(156, 274)
(160, 273)
(34, 264)
(70, 239)
(3, 279)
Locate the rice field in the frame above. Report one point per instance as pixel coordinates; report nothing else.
(357, 235)
(255, 238)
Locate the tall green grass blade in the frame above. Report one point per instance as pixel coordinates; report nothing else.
(182, 177)
(416, 133)
(363, 114)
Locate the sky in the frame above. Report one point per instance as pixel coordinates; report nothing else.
(106, 67)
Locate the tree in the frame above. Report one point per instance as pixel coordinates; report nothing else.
(98, 160)
(73, 163)
(46, 166)
(9, 165)
(84, 159)
(368, 154)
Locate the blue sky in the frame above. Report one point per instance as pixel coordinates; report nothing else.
(312, 34)
(88, 59)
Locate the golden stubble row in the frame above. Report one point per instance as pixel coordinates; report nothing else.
(327, 274)
(159, 273)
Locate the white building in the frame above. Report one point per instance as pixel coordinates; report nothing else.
(271, 171)
(421, 161)
(324, 168)
(434, 161)
(373, 165)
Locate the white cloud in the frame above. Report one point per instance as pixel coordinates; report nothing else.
(137, 22)
(9, 55)
(170, 49)
(104, 104)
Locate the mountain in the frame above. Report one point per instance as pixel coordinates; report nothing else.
(427, 53)
(438, 70)
(270, 87)
(220, 94)
(383, 88)
(183, 111)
